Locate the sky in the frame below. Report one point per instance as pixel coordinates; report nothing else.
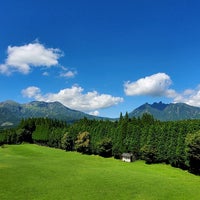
(102, 57)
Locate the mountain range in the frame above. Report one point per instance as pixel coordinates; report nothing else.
(12, 112)
(167, 112)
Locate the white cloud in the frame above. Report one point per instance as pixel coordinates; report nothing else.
(68, 74)
(3, 69)
(95, 113)
(189, 96)
(31, 92)
(45, 74)
(75, 98)
(170, 93)
(155, 85)
(158, 85)
(22, 58)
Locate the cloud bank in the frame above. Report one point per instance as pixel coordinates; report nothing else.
(158, 85)
(22, 58)
(75, 98)
(189, 96)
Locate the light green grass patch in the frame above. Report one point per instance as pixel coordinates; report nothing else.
(34, 172)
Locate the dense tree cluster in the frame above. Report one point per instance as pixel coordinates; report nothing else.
(193, 152)
(173, 142)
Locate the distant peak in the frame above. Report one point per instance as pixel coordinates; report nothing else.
(159, 106)
(9, 102)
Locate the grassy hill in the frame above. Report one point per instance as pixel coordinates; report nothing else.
(35, 172)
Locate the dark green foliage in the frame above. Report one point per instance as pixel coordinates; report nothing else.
(41, 134)
(2, 137)
(193, 150)
(149, 154)
(23, 135)
(8, 136)
(105, 147)
(55, 136)
(48, 132)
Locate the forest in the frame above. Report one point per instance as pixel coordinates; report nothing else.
(172, 142)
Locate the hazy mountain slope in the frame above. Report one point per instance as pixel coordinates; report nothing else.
(11, 112)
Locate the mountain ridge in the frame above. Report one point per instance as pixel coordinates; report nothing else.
(12, 112)
(167, 112)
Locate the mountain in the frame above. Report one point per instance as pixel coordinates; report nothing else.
(12, 112)
(167, 112)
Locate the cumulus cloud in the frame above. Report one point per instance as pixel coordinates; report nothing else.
(45, 74)
(4, 69)
(31, 92)
(189, 96)
(74, 98)
(95, 113)
(23, 58)
(68, 74)
(154, 85)
(158, 85)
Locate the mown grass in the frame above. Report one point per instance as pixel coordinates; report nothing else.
(32, 172)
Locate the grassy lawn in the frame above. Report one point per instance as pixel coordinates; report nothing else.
(33, 172)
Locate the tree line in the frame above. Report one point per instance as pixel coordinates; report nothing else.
(172, 142)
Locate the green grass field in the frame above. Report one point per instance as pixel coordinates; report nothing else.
(33, 172)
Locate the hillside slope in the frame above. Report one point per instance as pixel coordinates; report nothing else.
(36, 172)
(11, 112)
(167, 112)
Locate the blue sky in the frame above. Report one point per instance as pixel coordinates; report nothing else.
(100, 57)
